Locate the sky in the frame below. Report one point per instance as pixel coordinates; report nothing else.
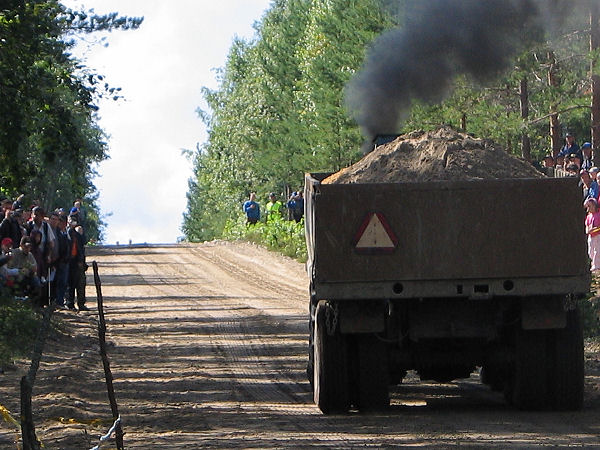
(161, 68)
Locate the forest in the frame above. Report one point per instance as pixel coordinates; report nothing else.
(321, 77)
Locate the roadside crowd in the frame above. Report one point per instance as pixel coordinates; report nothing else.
(43, 255)
(274, 209)
(575, 161)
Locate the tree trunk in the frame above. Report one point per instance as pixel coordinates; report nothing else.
(555, 138)
(524, 103)
(594, 44)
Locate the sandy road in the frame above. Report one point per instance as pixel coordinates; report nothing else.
(208, 349)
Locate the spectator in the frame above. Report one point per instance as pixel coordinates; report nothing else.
(586, 152)
(594, 173)
(61, 263)
(27, 280)
(7, 276)
(18, 203)
(11, 227)
(590, 187)
(296, 205)
(251, 209)
(592, 229)
(78, 203)
(38, 223)
(77, 265)
(548, 160)
(572, 170)
(274, 208)
(6, 205)
(6, 246)
(570, 147)
(573, 158)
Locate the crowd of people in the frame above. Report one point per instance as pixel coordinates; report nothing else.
(274, 209)
(43, 255)
(575, 161)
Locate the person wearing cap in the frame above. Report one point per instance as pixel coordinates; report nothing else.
(592, 229)
(274, 208)
(586, 153)
(296, 205)
(39, 224)
(594, 173)
(251, 209)
(23, 259)
(590, 187)
(570, 147)
(573, 160)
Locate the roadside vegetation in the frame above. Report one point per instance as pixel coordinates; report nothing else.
(283, 236)
(18, 328)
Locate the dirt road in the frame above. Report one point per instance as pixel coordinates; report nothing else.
(207, 345)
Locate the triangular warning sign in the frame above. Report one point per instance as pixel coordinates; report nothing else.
(375, 235)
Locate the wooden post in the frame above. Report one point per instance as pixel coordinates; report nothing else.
(30, 441)
(107, 373)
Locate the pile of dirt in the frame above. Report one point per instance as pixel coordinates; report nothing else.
(441, 155)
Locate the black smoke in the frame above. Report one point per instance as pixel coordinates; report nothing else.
(440, 40)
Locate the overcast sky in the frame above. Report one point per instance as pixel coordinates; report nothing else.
(161, 68)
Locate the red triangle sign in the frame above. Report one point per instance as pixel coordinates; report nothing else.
(375, 235)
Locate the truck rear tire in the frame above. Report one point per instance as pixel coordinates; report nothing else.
(567, 381)
(549, 367)
(331, 386)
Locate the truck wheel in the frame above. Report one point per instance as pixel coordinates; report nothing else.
(530, 383)
(371, 374)
(330, 364)
(567, 379)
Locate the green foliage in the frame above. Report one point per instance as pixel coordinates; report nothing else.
(283, 236)
(18, 328)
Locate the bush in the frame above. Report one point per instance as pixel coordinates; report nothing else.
(283, 236)
(18, 328)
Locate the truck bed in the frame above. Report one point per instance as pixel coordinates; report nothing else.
(460, 238)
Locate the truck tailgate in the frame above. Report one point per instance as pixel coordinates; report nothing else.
(448, 230)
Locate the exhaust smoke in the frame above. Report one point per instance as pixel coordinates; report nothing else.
(440, 40)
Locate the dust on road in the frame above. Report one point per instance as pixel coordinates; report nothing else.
(207, 344)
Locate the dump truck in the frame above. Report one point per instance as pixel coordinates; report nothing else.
(445, 279)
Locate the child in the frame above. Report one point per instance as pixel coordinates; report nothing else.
(592, 229)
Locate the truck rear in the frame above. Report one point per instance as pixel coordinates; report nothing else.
(444, 278)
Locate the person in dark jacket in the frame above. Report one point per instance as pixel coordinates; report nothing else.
(60, 258)
(77, 265)
(11, 227)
